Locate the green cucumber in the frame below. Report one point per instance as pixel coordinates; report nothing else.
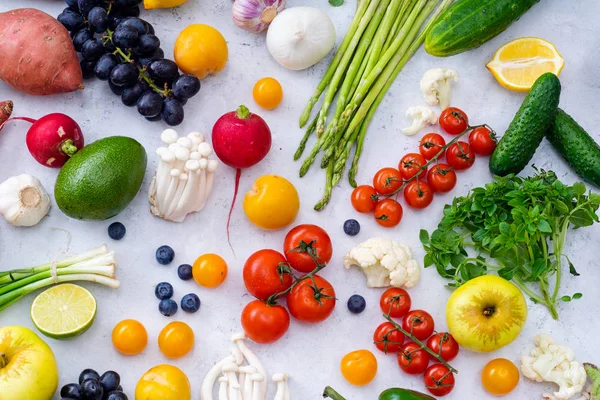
(576, 146)
(467, 24)
(528, 128)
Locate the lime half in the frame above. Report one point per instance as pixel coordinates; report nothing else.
(64, 311)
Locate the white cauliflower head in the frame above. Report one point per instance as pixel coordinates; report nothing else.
(385, 262)
(551, 362)
(421, 116)
(436, 86)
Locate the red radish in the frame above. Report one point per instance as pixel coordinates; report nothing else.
(240, 139)
(6, 108)
(52, 139)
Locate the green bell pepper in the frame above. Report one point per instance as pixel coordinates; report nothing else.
(389, 394)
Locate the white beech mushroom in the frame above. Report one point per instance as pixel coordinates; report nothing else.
(206, 392)
(283, 390)
(253, 360)
(184, 177)
(23, 200)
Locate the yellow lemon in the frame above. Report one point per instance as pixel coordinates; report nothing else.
(273, 202)
(519, 63)
(151, 4)
(201, 50)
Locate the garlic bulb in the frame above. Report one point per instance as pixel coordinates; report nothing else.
(300, 37)
(184, 178)
(23, 200)
(256, 15)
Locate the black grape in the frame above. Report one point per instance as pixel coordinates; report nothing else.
(85, 6)
(98, 19)
(92, 49)
(109, 46)
(114, 20)
(72, 20)
(81, 37)
(130, 11)
(147, 44)
(72, 4)
(163, 69)
(130, 96)
(124, 74)
(149, 27)
(87, 68)
(136, 23)
(150, 104)
(105, 65)
(125, 36)
(172, 112)
(186, 86)
(118, 90)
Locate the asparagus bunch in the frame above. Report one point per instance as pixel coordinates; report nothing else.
(382, 38)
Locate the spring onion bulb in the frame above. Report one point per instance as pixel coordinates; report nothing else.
(256, 15)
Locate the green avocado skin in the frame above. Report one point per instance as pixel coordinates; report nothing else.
(101, 179)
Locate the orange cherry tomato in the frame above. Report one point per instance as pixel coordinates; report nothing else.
(209, 270)
(176, 339)
(129, 337)
(364, 198)
(500, 376)
(359, 367)
(388, 213)
(267, 93)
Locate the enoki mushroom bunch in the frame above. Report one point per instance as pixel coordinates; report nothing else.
(241, 376)
(184, 177)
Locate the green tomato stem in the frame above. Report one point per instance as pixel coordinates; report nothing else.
(332, 394)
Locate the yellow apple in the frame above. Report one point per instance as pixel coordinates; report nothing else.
(486, 313)
(163, 382)
(27, 365)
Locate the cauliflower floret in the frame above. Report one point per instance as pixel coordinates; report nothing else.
(385, 262)
(550, 362)
(436, 86)
(421, 116)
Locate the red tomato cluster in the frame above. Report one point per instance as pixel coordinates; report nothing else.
(419, 326)
(269, 275)
(420, 175)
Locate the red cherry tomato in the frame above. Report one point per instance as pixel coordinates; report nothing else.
(263, 323)
(439, 380)
(431, 144)
(388, 213)
(310, 238)
(441, 178)
(444, 345)
(263, 274)
(387, 338)
(412, 359)
(460, 156)
(411, 165)
(395, 302)
(311, 300)
(483, 141)
(420, 323)
(418, 194)
(454, 120)
(364, 198)
(387, 180)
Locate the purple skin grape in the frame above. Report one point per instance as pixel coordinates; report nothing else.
(87, 68)
(124, 75)
(186, 86)
(125, 36)
(81, 37)
(71, 20)
(172, 112)
(92, 50)
(98, 19)
(137, 24)
(105, 65)
(163, 69)
(150, 104)
(130, 96)
(147, 44)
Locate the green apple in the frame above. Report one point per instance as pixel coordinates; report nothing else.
(486, 313)
(28, 368)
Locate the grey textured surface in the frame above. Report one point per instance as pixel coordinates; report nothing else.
(310, 354)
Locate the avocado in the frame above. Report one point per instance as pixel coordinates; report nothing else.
(101, 179)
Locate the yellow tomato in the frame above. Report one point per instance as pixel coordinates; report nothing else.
(200, 50)
(176, 339)
(129, 337)
(359, 367)
(273, 202)
(267, 93)
(209, 270)
(163, 382)
(500, 376)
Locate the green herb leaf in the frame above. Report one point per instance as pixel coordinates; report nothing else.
(572, 269)
(566, 299)
(336, 3)
(577, 295)
(579, 188)
(424, 236)
(544, 226)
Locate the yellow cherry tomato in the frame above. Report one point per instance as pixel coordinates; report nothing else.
(200, 50)
(129, 337)
(500, 376)
(359, 367)
(209, 270)
(273, 202)
(267, 93)
(176, 339)
(163, 382)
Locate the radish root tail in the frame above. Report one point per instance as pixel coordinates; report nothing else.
(238, 174)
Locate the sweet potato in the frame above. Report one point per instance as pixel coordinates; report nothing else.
(6, 108)
(36, 53)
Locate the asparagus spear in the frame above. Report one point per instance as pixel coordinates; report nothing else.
(302, 145)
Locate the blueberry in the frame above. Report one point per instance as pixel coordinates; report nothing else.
(186, 86)
(88, 374)
(116, 395)
(71, 391)
(150, 105)
(81, 37)
(351, 227)
(124, 74)
(185, 272)
(116, 231)
(131, 95)
(172, 112)
(167, 307)
(190, 303)
(110, 381)
(356, 304)
(165, 255)
(125, 36)
(92, 389)
(72, 20)
(98, 19)
(163, 291)
(87, 68)
(105, 65)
